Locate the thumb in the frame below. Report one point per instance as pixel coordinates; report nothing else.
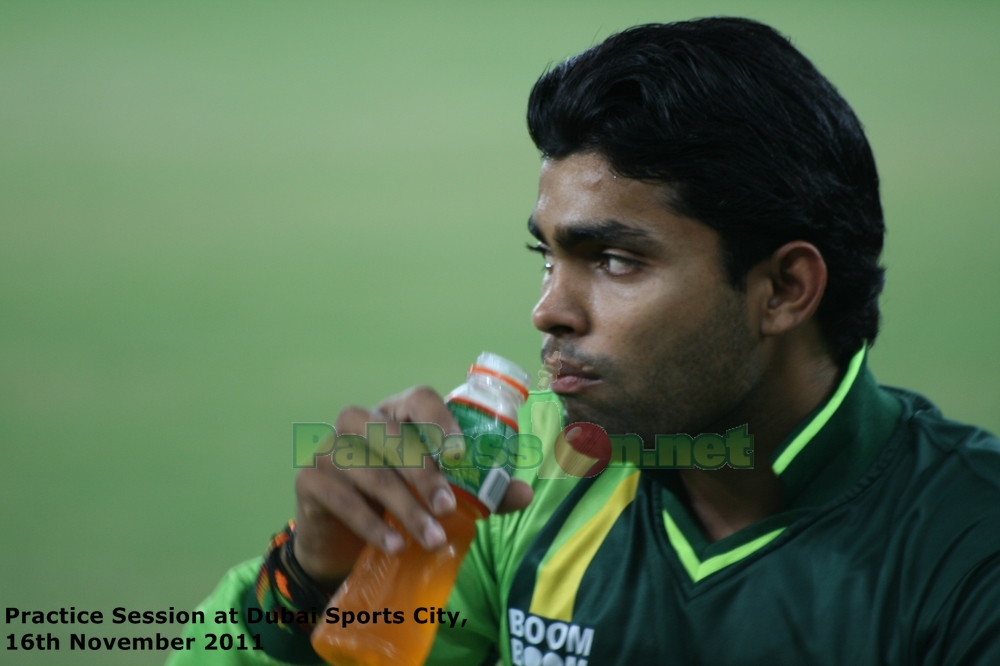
(519, 496)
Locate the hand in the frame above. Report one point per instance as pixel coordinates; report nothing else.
(341, 509)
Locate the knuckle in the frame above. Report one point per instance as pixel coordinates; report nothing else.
(306, 483)
(351, 418)
(425, 392)
(376, 483)
(343, 501)
(425, 480)
(309, 513)
(389, 490)
(378, 478)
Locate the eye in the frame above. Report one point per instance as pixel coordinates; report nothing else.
(542, 249)
(617, 265)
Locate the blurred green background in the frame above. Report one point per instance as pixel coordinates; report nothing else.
(217, 220)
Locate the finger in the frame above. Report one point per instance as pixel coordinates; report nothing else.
(431, 487)
(420, 404)
(336, 495)
(424, 405)
(325, 548)
(428, 483)
(425, 482)
(388, 488)
(353, 420)
(519, 496)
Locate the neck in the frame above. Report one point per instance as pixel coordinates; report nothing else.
(727, 500)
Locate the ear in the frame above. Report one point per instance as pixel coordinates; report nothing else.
(787, 287)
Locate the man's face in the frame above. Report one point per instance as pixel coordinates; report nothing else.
(651, 337)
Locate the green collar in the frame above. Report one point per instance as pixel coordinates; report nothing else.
(827, 453)
(834, 445)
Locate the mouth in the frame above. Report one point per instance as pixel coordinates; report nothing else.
(573, 379)
(571, 384)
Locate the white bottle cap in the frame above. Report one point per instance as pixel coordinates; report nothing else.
(508, 371)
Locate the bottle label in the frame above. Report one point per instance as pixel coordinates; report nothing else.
(480, 471)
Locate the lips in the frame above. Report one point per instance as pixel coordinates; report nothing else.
(568, 384)
(572, 379)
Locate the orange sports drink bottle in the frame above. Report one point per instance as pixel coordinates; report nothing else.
(381, 585)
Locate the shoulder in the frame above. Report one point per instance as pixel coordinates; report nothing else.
(945, 488)
(954, 461)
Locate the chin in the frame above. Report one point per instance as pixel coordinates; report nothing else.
(575, 411)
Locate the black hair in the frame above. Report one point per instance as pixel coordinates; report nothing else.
(752, 139)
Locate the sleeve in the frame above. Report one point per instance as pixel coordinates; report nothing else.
(967, 631)
(469, 643)
(475, 598)
(218, 607)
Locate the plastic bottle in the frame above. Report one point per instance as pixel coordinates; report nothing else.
(379, 584)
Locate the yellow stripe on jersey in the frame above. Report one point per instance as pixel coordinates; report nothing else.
(559, 578)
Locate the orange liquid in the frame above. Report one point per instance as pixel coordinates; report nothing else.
(411, 579)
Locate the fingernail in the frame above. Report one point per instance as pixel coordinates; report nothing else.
(393, 543)
(443, 502)
(434, 535)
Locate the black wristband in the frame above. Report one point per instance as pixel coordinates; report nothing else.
(285, 604)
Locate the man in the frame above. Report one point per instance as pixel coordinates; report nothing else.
(709, 217)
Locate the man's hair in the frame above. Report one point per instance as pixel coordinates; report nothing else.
(752, 140)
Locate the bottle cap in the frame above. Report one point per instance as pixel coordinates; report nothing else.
(506, 371)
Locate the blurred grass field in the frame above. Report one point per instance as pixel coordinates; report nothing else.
(216, 221)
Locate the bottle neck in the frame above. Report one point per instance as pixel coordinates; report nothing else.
(498, 386)
(490, 395)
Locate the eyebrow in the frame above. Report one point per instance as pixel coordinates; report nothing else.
(601, 232)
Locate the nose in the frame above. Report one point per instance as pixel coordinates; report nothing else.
(561, 309)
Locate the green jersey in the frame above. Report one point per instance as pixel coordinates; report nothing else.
(887, 551)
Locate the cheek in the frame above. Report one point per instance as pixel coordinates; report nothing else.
(650, 314)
